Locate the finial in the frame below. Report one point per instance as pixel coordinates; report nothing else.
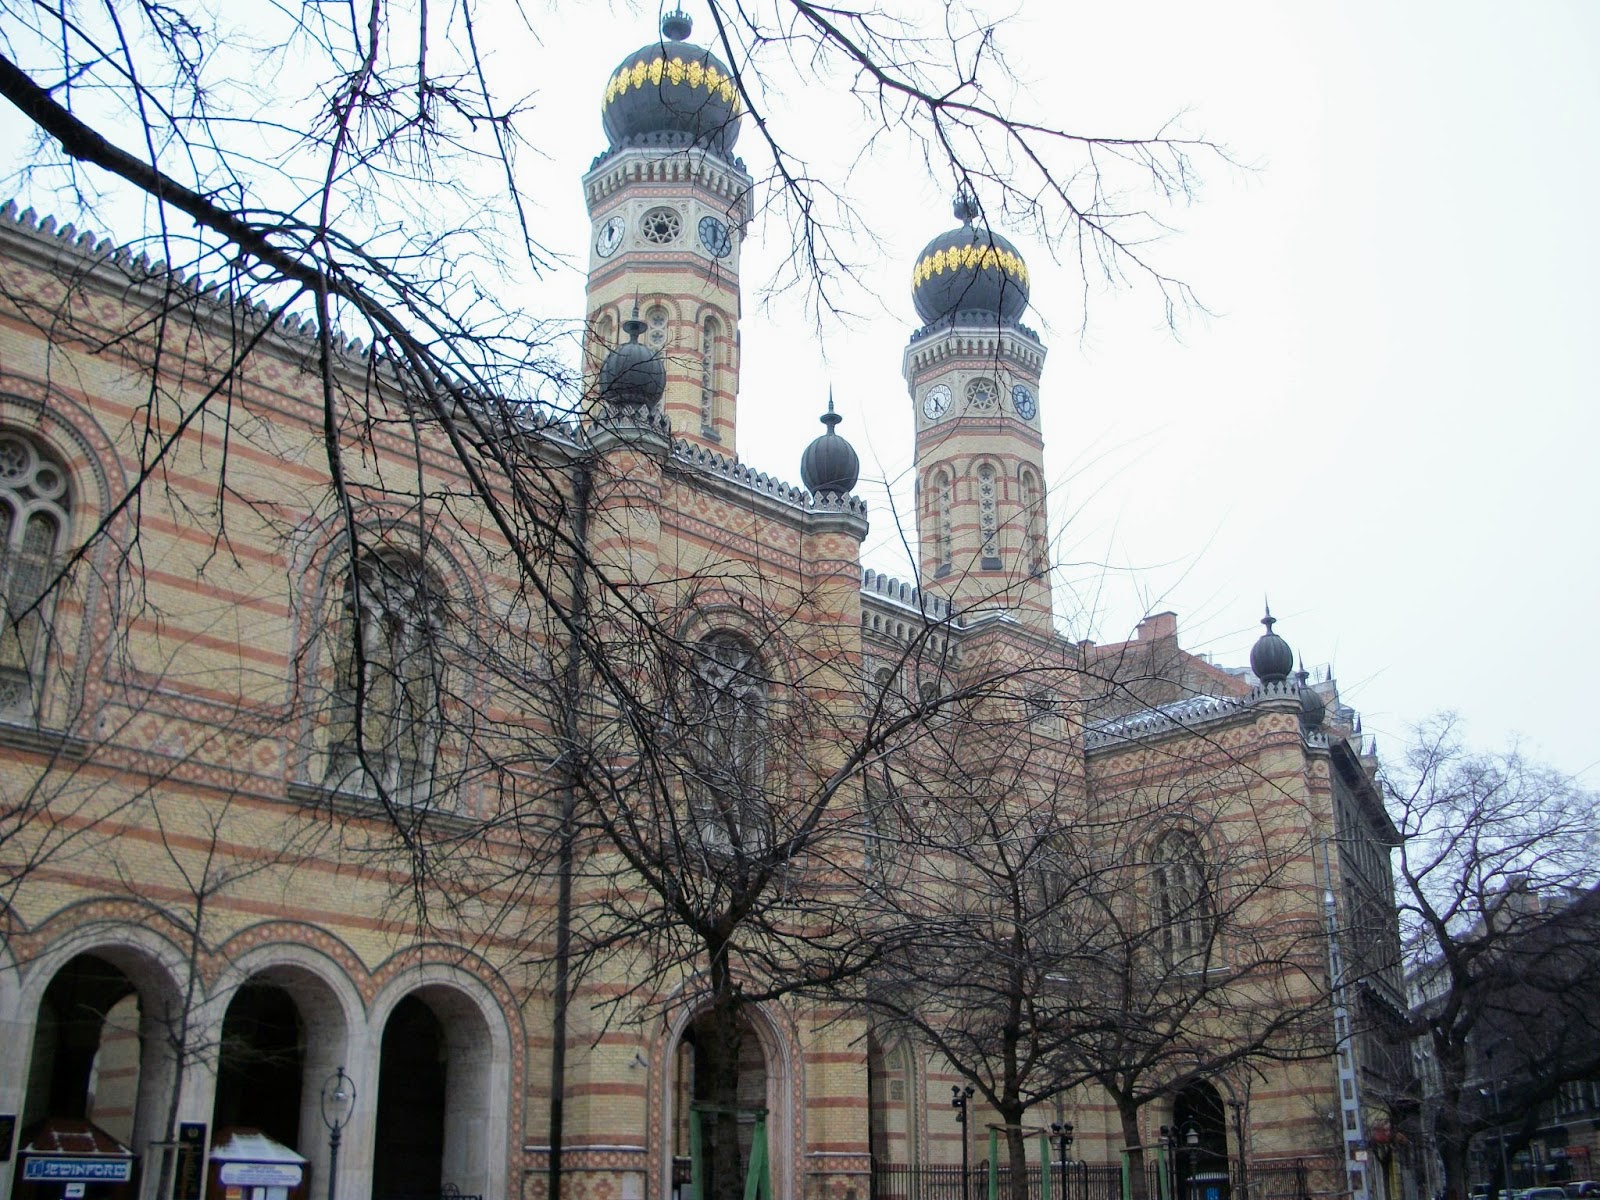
(676, 26)
(634, 327)
(1269, 620)
(830, 418)
(966, 204)
(1302, 674)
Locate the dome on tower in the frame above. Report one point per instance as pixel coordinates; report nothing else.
(1270, 658)
(969, 270)
(672, 93)
(830, 464)
(633, 375)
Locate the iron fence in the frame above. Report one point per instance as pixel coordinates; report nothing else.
(1283, 1180)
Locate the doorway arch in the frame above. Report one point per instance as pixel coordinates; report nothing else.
(767, 1078)
(1199, 1107)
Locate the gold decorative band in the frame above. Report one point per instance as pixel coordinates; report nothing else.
(695, 73)
(969, 258)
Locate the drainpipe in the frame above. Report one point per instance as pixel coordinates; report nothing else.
(582, 482)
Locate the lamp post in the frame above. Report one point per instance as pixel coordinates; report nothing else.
(958, 1101)
(1062, 1130)
(338, 1102)
(1169, 1144)
(1191, 1151)
(1238, 1141)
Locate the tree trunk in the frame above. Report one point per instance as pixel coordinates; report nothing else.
(717, 1045)
(1017, 1158)
(1128, 1113)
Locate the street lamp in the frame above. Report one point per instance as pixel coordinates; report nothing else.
(1191, 1154)
(1062, 1130)
(1238, 1140)
(1169, 1144)
(958, 1101)
(338, 1102)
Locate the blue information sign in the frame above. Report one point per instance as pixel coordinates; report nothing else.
(69, 1169)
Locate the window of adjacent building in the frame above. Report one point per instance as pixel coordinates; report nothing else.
(386, 689)
(33, 517)
(725, 715)
(1182, 898)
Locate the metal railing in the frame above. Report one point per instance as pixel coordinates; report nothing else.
(1282, 1180)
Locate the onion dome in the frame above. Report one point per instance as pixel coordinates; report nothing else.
(633, 375)
(1270, 658)
(672, 93)
(830, 463)
(1313, 708)
(969, 270)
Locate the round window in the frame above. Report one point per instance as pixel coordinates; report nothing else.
(983, 394)
(660, 226)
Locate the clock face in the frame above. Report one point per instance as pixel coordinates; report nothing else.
(936, 402)
(609, 236)
(715, 238)
(1022, 400)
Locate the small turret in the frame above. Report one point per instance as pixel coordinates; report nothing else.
(1271, 658)
(633, 375)
(830, 464)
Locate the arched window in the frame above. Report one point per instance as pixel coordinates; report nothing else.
(1032, 521)
(1182, 896)
(656, 332)
(726, 716)
(33, 517)
(989, 516)
(708, 373)
(940, 504)
(384, 729)
(602, 337)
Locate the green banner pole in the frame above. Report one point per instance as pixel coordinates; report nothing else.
(994, 1163)
(696, 1179)
(1044, 1166)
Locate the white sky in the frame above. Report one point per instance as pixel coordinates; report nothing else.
(1386, 426)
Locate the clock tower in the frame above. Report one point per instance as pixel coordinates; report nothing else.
(668, 206)
(973, 374)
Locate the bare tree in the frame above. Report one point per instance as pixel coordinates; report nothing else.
(1495, 879)
(354, 190)
(1138, 930)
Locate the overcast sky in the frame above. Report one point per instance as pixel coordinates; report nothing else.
(1386, 425)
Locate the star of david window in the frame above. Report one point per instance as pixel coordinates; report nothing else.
(989, 517)
(661, 226)
(983, 395)
(655, 319)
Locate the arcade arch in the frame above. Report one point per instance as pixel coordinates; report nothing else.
(441, 1076)
(764, 1062)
